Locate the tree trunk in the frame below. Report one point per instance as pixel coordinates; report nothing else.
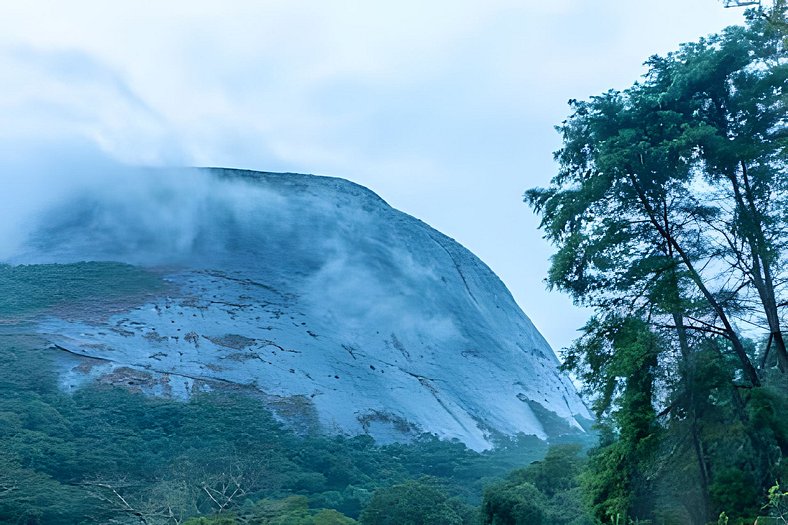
(701, 515)
(761, 269)
(738, 348)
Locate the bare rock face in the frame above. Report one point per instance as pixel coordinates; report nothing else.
(312, 293)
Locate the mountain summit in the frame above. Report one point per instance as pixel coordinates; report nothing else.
(341, 313)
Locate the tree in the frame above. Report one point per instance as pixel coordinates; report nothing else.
(518, 504)
(730, 89)
(414, 503)
(545, 491)
(668, 215)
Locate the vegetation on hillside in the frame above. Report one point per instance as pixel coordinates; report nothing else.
(107, 455)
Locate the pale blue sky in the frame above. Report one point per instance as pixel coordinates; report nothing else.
(444, 108)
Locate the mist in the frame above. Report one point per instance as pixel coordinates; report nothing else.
(71, 203)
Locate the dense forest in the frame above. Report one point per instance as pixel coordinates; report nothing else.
(108, 455)
(669, 217)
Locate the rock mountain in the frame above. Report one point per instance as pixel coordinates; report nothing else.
(338, 311)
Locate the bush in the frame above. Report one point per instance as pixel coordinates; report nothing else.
(508, 504)
(414, 503)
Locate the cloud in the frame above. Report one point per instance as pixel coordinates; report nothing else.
(68, 95)
(348, 262)
(331, 87)
(66, 201)
(446, 108)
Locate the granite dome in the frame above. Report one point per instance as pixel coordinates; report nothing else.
(339, 311)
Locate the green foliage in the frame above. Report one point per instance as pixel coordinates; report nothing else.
(508, 504)
(331, 517)
(606, 484)
(213, 520)
(555, 474)
(30, 289)
(69, 459)
(414, 503)
(735, 491)
(293, 510)
(778, 503)
(668, 218)
(620, 356)
(547, 491)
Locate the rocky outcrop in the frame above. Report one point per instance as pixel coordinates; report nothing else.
(339, 311)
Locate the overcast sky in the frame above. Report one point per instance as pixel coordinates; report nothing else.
(444, 108)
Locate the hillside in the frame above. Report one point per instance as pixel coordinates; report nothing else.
(341, 313)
